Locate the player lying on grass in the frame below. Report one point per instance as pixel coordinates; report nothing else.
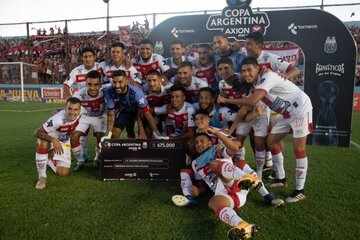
(229, 183)
(54, 135)
(202, 121)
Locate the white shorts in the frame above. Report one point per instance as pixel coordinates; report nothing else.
(260, 126)
(241, 196)
(63, 160)
(301, 125)
(97, 123)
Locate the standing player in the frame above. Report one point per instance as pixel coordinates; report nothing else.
(94, 115)
(223, 50)
(148, 60)
(177, 51)
(180, 113)
(254, 44)
(123, 102)
(157, 95)
(77, 81)
(54, 135)
(294, 105)
(118, 62)
(191, 84)
(205, 68)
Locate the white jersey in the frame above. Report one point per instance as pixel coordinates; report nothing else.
(156, 62)
(206, 73)
(158, 99)
(109, 68)
(272, 62)
(192, 91)
(173, 67)
(180, 120)
(282, 96)
(93, 106)
(60, 127)
(78, 76)
(209, 176)
(226, 90)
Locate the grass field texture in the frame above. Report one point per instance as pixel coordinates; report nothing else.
(82, 207)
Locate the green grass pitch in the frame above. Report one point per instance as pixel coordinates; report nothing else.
(82, 207)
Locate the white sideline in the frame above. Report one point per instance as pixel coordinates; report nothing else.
(355, 144)
(27, 111)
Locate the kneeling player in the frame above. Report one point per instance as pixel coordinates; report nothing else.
(54, 135)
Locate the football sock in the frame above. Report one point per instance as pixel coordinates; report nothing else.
(278, 160)
(268, 159)
(260, 161)
(230, 171)
(77, 150)
(186, 182)
(41, 160)
(84, 142)
(229, 216)
(240, 154)
(301, 169)
(245, 167)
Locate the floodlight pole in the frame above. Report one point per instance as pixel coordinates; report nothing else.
(322, 5)
(107, 31)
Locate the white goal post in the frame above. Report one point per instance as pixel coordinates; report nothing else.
(18, 73)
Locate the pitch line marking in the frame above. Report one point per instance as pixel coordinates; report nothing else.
(355, 144)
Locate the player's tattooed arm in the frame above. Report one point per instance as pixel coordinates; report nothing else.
(110, 120)
(40, 133)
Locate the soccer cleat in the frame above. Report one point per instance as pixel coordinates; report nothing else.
(41, 183)
(184, 201)
(272, 201)
(296, 196)
(79, 167)
(249, 181)
(243, 231)
(277, 183)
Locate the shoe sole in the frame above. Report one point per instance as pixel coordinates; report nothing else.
(241, 234)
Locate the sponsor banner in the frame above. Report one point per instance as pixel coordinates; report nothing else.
(137, 159)
(290, 55)
(14, 95)
(328, 47)
(32, 93)
(356, 105)
(51, 93)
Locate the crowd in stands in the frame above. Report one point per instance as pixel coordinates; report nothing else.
(48, 50)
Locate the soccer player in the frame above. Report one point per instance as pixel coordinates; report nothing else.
(229, 183)
(94, 115)
(219, 116)
(254, 44)
(294, 105)
(157, 95)
(228, 88)
(223, 50)
(77, 81)
(177, 51)
(118, 62)
(191, 84)
(123, 102)
(148, 60)
(180, 114)
(205, 68)
(54, 135)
